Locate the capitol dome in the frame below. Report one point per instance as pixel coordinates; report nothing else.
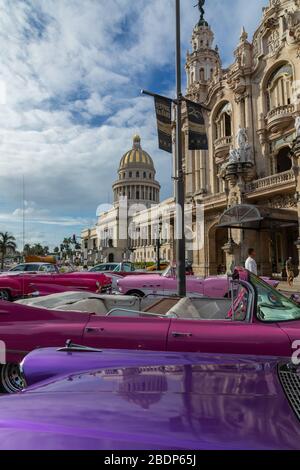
(136, 156)
(137, 177)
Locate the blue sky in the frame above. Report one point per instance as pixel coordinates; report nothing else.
(72, 71)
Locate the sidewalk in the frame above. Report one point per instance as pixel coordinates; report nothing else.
(283, 286)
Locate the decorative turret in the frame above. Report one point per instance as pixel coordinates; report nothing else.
(203, 61)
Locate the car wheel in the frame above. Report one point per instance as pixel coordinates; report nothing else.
(136, 293)
(5, 295)
(11, 380)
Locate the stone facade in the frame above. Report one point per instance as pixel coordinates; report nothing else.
(250, 113)
(251, 128)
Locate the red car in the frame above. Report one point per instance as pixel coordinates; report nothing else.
(15, 286)
(258, 321)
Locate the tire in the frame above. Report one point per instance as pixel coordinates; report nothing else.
(5, 295)
(136, 293)
(11, 380)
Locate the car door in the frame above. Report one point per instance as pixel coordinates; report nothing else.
(227, 337)
(24, 328)
(127, 332)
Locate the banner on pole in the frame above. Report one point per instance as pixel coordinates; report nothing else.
(163, 108)
(197, 131)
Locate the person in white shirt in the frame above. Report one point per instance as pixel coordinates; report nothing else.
(250, 262)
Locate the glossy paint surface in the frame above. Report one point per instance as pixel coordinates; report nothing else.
(24, 328)
(19, 285)
(157, 401)
(217, 286)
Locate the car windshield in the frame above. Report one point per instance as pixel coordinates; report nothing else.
(170, 271)
(272, 306)
(19, 268)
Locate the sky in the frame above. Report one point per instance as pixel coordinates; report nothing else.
(71, 72)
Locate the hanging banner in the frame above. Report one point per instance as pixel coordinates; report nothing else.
(163, 108)
(197, 131)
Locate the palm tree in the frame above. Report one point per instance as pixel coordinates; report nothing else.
(7, 243)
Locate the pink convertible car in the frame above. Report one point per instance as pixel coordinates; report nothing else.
(166, 284)
(17, 285)
(259, 320)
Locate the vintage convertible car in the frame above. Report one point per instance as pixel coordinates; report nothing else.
(18, 285)
(128, 400)
(166, 284)
(257, 320)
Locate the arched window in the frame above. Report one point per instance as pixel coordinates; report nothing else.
(283, 160)
(223, 121)
(279, 87)
(202, 75)
(130, 174)
(145, 175)
(137, 174)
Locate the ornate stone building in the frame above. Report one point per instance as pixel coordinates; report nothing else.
(247, 181)
(137, 185)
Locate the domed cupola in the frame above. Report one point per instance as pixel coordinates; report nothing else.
(137, 177)
(136, 156)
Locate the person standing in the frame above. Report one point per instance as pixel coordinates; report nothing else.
(290, 271)
(250, 264)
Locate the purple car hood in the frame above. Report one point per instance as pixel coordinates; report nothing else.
(181, 401)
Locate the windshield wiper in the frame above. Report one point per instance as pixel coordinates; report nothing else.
(71, 347)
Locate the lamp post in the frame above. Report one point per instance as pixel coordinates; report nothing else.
(179, 177)
(158, 245)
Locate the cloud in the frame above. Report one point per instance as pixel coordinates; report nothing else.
(72, 71)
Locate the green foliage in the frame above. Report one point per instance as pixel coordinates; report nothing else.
(7, 243)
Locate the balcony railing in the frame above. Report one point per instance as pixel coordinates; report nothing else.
(274, 180)
(281, 112)
(223, 142)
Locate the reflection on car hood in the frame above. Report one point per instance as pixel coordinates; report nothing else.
(179, 401)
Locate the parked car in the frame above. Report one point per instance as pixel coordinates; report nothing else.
(259, 320)
(32, 268)
(166, 284)
(18, 285)
(124, 400)
(125, 267)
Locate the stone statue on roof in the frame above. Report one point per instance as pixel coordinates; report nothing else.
(200, 5)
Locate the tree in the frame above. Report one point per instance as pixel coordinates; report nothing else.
(7, 243)
(36, 250)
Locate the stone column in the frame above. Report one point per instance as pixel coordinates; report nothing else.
(296, 163)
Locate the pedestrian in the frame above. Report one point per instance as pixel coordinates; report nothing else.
(250, 264)
(290, 271)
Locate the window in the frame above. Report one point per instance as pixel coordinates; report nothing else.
(223, 122)
(47, 268)
(19, 268)
(130, 174)
(145, 175)
(279, 88)
(137, 174)
(272, 306)
(30, 268)
(284, 162)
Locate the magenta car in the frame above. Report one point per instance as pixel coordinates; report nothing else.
(166, 284)
(18, 285)
(259, 320)
(125, 400)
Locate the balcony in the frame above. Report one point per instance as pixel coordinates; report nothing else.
(222, 148)
(280, 118)
(276, 182)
